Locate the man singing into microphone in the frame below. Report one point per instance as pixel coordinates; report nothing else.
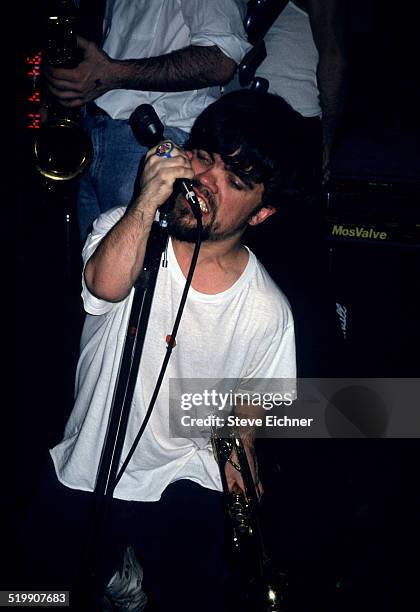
(241, 158)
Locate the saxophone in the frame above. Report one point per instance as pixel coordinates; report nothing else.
(265, 587)
(62, 149)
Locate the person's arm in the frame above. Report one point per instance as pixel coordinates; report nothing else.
(276, 361)
(193, 67)
(112, 270)
(247, 434)
(327, 24)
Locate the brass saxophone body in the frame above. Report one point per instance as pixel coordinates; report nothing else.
(62, 149)
(265, 588)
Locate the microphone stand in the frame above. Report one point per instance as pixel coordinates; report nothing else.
(146, 125)
(130, 360)
(121, 405)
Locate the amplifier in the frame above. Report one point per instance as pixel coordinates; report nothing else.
(372, 212)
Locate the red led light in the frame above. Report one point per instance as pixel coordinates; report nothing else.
(34, 120)
(35, 97)
(35, 63)
(34, 59)
(33, 115)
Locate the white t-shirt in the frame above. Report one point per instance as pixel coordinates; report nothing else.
(244, 332)
(292, 60)
(135, 29)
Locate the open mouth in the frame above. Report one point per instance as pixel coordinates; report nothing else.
(202, 202)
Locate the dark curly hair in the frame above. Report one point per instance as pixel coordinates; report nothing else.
(258, 135)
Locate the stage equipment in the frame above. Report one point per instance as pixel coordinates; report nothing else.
(260, 16)
(62, 149)
(260, 586)
(376, 212)
(372, 233)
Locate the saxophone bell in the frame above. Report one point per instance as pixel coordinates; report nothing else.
(62, 149)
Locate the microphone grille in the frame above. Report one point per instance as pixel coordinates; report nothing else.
(146, 125)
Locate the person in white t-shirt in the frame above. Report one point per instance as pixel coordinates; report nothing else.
(167, 53)
(242, 157)
(306, 64)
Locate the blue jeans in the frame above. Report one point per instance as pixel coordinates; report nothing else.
(110, 178)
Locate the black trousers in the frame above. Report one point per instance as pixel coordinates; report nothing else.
(178, 540)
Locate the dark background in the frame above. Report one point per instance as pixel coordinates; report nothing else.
(340, 515)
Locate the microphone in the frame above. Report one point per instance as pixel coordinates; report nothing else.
(148, 130)
(146, 125)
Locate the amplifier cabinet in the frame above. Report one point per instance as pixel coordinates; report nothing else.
(372, 212)
(372, 233)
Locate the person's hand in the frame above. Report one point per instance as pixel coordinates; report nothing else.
(234, 478)
(159, 174)
(93, 77)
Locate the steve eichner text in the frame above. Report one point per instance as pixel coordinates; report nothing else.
(219, 400)
(270, 420)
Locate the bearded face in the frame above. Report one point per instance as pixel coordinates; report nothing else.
(227, 203)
